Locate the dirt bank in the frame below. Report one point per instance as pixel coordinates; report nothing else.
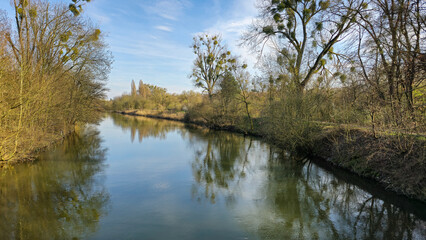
(397, 162)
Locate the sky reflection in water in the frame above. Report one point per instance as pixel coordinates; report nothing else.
(152, 179)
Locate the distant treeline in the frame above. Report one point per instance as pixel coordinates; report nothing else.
(53, 68)
(151, 97)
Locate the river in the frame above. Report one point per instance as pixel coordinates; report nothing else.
(139, 178)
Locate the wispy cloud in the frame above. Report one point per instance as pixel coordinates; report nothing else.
(150, 47)
(233, 25)
(168, 9)
(164, 28)
(143, 48)
(95, 12)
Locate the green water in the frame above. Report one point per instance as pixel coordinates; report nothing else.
(138, 178)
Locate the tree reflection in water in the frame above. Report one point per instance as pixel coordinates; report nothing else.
(219, 164)
(277, 195)
(306, 202)
(61, 196)
(145, 127)
(294, 198)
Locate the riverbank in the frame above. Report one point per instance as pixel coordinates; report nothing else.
(29, 154)
(31, 147)
(182, 117)
(396, 162)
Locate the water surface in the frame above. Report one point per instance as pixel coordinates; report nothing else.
(138, 178)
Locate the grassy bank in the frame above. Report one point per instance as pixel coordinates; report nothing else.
(397, 162)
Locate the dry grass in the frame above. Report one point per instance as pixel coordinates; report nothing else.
(397, 162)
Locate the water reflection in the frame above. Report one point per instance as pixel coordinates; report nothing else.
(288, 197)
(306, 202)
(144, 127)
(219, 164)
(61, 196)
(273, 194)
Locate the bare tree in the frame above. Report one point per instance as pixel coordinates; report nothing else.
(305, 32)
(211, 62)
(58, 65)
(391, 51)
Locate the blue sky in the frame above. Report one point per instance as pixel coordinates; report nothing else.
(150, 39)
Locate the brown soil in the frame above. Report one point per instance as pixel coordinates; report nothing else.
(396, 162)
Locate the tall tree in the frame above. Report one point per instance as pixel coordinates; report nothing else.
(133, 88)
(228, 91)
(305, 30)
(242, 77)
(211, 62)
(57, 71)
(391, 46)
(143, 89)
